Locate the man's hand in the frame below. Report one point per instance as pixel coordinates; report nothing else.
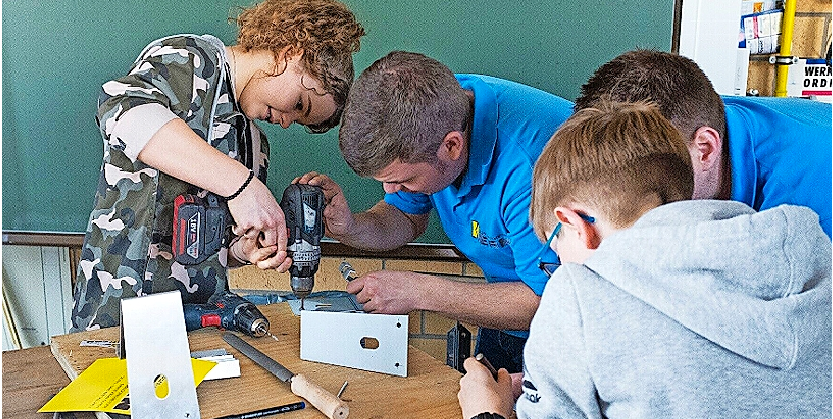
(480, 393)
(389, 292)
(338, 219)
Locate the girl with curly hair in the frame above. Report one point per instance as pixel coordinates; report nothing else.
(181, 122)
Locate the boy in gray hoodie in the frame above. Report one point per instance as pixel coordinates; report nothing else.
(664, 307)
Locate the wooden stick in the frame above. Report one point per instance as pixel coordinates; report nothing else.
(323, 400)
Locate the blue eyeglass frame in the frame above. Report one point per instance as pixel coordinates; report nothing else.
(549, 267)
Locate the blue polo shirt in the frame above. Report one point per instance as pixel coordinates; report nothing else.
(487, 217)
(780, 150)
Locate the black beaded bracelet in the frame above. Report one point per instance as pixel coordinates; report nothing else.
(245, 184)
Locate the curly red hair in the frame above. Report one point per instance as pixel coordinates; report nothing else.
(325, 30)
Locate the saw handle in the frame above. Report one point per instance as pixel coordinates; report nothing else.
(323, 400)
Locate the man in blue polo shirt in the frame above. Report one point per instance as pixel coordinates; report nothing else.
(465, 146)
(763, 152)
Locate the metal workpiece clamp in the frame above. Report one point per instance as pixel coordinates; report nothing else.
(782, 59)
(347, 271)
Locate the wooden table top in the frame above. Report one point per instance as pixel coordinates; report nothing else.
(30, 377)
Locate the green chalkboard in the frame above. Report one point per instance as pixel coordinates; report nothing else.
(56, 55)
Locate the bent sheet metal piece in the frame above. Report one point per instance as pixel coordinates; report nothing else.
(326, 301)
(159, 371)
(373, 342)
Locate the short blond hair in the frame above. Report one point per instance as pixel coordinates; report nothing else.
(615, 157)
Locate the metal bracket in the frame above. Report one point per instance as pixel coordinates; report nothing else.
(159, 372)
(373, 342)
(458, 347)
(782, 60)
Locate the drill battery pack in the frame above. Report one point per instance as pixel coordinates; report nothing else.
(200, 227)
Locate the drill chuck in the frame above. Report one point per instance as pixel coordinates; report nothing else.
(302, 272)
(250, 321)
(301, 285)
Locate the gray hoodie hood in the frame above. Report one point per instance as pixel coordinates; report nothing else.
(766, 294)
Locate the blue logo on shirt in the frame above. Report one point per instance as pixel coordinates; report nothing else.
(485, 240)
(493, 242)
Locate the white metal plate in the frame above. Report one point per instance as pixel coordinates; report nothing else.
(156, 344)
(348, 339)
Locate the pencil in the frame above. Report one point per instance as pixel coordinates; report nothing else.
(485, 361)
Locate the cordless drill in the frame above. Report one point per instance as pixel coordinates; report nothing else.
(303, 208)
(228, 311)
(202, 228)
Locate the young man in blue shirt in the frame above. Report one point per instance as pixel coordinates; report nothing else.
(465, 146)
(761, 151)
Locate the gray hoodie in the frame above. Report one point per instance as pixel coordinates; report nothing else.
(703, 309)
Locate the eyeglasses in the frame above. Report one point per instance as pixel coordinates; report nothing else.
(549, 267)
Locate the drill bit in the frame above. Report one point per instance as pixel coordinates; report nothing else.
(262, 328)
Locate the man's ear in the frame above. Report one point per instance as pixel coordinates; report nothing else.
(587, 233)
(452, 146)
(708, 147)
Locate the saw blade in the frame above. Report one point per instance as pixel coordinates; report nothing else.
(258, 357)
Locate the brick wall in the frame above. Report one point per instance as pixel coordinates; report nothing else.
(427, 330)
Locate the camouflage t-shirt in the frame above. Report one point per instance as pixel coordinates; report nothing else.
(127, 247)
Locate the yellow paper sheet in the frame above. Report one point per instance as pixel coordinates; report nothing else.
(103, 388)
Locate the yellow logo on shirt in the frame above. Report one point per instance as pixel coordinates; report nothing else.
(475, 229)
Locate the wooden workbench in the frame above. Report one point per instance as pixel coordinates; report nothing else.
(30, 378)
(429, 391)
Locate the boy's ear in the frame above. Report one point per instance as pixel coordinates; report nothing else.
(452, 146)
(708, 147)
(587, 232)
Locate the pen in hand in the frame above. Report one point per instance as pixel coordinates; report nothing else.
(483, 360)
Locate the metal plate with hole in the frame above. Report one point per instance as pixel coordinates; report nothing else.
(373, 342)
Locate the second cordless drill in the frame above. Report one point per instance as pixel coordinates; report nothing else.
(228, 311)
(303, 208)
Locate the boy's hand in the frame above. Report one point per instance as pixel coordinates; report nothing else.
(480, 393)
(517, 384)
